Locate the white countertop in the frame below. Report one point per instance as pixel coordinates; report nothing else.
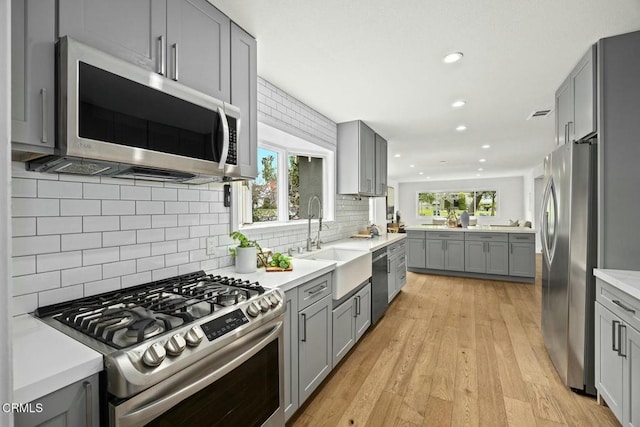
(474, 228)
(46, 360)
(627, 281)
(371, 244)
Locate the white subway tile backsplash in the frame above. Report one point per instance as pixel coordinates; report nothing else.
(59, 190)
(164, 273)
(198, 207)
(118, 207)
(176, 233)
(132, 192)
(21, 187)
(25, 304)
(135, 222)
(199, 231)
(101, 191)
(188, 196)
(100, 223)
(165, 194)
(208, 219)
(197, 255)
(210, 265)
(21, 227)
(135, 251)
(217, 208)
(136, 279)
(23, 265)
(188, 245)
(72, 242)
(58, 261)
(21, 207)
(145, 207)
(176, 208)
(73, 276)
(100, 256)
(150, 263)
(208, 196)
(101, 286)
(188, 219)
(188, 268)
(150, 235)
(163, 221)
(120, 268)
(36, 283)
(60, 295)
(118, 238)
(161, 248)
(59, 225)
(79, 207)
(176, 259)
(35, 245)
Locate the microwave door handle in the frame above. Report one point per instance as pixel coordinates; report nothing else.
(225, 138)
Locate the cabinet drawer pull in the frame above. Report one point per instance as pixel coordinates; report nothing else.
(88, 395)
(620, 353)
(624, 307)
(569, 131)
(316, 290)
(304, 327)
(174, 47)
(355, 309)
(511, 248)
(615, 327)
(161, 55)
(43, 98)
(388, 266)
(358, 306)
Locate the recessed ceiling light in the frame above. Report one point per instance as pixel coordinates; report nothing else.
(412, 166)
(482, 160)
(397, 155)
(480, 169)
(486, 146)
(428, 177)
(477, 174)
(443, 161)
(461, 128)
(420, 173)
(453, 57)
(458, 104)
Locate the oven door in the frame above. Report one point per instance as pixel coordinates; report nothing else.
(242, 384)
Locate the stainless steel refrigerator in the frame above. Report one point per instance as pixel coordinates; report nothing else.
(569, 246)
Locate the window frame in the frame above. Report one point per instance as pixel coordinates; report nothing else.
(417, 201)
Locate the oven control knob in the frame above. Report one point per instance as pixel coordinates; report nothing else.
(264, 305)
(175, 345)
(194, 336)
(274, 300)
(154, 355)
(253, 310)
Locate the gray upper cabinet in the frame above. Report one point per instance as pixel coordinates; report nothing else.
(381, 166)
(244, 94)
(356, 140)
(198, 47)
(75, 405)
(131, 30)
(576, 101)
(185, 40)
(32, 78)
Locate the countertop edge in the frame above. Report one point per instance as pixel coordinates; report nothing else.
(620, 279)
(487, 229)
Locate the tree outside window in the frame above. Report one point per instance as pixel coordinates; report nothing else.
(477, 203)
(264, 192)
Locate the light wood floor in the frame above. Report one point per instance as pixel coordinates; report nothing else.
(452, 352)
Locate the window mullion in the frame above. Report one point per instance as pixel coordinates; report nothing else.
(283, 185)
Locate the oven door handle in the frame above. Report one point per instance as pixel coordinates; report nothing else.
(133, 415)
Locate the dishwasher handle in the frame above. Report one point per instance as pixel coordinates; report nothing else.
(379, 257)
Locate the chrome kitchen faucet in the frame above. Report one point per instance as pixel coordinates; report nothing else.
(310, 215)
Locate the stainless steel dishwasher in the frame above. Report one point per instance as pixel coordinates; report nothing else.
(379, 285)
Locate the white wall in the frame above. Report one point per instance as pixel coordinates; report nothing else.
(6, 371)
(511, 197)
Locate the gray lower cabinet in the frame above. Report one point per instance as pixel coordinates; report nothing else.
(314, 346)
(487, 253)
(445, 251)
(351, 319)
(72, 406)
(397, 264)
(522, 252)
(32, 78)
(184, 40)
(244, 95)
(291, 354)
(416, 250)
(454, 255)
(617, 353)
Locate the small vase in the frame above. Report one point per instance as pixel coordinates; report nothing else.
(246, 260)
(452, 220)
(464, 219)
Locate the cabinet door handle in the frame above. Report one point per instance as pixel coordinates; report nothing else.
(615, 327)
(624, 307)
(620, 327)
(388, 266)
(88, 395)
(43, 98)
(424, 244)
(161, 54)
(316, 290)
(174, 48)
(355, 309)
(358, 306)
(569, 131)
(511, 248)
(304, 327)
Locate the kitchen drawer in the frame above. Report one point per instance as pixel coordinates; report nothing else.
(413, 234)
(314, 290)
(445, 235)
(486, 237)
(395, 248)
(622, 304)
(522, 238)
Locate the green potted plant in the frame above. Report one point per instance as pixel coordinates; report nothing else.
(247, 253)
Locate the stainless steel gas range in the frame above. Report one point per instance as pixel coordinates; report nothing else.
(193, 350)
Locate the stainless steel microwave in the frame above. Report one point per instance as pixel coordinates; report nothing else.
(114, 118)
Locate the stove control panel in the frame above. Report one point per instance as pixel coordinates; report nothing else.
(154, 355)
(224, 324)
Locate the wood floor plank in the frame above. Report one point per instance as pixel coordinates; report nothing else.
(450, 352)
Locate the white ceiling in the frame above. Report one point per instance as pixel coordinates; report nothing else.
(381, 62)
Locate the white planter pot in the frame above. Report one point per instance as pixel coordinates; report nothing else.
(246, 260)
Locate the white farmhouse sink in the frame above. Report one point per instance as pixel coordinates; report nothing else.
(352, 267)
